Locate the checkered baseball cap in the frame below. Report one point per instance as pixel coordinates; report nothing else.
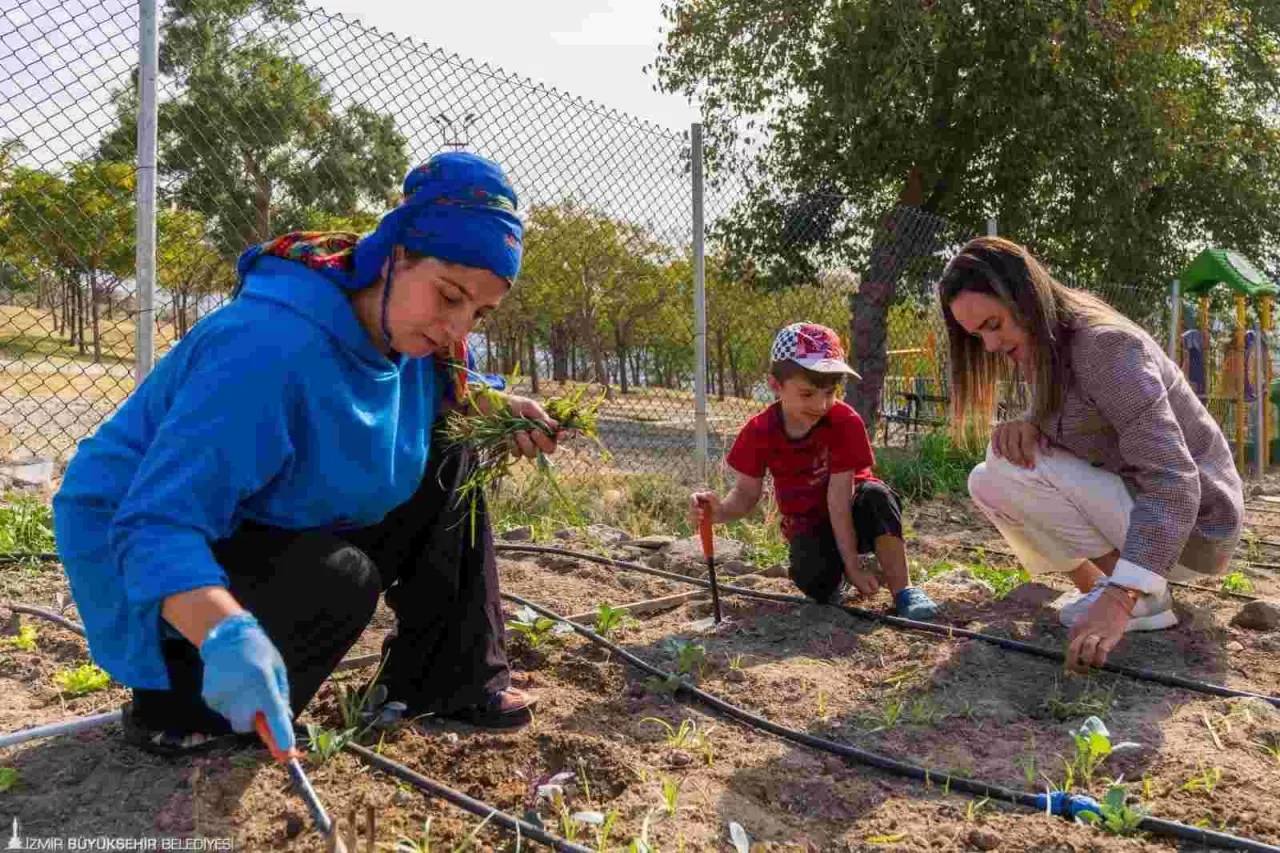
(813, 347)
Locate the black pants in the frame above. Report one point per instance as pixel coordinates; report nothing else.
(816, 565)
(314, 593)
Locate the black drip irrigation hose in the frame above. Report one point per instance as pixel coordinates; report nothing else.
(49, 615)
(521, 828)
(1136, 673)
(1069, 804)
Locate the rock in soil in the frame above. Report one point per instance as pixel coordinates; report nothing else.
(1258, 616)
(733, 567)
(652, 543)
(684, 555)
(518, 534)
(607, 535)
(292, 826)
(1235, 646)
(777, 570)
(984, 840)
(402, 798)
(566, 533)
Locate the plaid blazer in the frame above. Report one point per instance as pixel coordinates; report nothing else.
(1128, 409)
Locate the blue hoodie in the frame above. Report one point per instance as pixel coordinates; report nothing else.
(276, 408)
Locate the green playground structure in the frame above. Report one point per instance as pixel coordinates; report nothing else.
(1211, 269)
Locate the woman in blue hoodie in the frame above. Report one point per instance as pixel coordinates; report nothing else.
(228, 531)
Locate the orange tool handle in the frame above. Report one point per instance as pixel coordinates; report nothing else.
(708, 535)
(264, 732)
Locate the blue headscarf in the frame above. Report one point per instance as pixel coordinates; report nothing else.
(457, 207)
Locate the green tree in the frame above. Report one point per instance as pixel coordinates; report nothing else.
(254, 140)
(79, 229)
(1115, 138)
(189, 267)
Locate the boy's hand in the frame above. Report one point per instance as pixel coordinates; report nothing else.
(864, 582)
(701, 503)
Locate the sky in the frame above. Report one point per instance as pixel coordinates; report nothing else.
(591, 48)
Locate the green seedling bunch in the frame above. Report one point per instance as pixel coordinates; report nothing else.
(1117, 817)
(1093, 746)
(610, 620)
(688, 737)
(24, 640)
(1205, 781)
(670, 796)
(323, 744)
(691, 657)
(1237, 582)
(486, 425)
(86, 678)
(8, 778)
(537, 630)
(26, 526)
(409, 845)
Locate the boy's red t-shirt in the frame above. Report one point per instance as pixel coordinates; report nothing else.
(802, 467)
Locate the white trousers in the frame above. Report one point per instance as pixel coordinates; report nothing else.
(1055, 515)
(1059, 513)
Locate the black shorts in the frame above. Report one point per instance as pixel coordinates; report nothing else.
(816, 565)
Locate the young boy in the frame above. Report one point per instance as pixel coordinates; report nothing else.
(833, 508)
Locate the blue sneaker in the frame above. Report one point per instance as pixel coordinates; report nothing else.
(914, 603)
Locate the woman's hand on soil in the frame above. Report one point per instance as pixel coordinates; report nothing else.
(533, 441)
(1018, 442)
(1099, 632)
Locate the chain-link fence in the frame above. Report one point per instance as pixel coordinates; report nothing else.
(299, 119)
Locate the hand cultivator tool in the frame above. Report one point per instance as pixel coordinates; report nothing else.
(707, 532)
(301, 784)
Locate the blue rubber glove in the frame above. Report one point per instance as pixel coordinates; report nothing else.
(244, 674)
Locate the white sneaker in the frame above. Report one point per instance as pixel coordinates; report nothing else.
(1151, 613)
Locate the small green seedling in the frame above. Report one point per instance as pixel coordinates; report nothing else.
(1206, 780)
(26, 525)
(1117, 818)
(324, 743)
(408, 845)
(8, 778)
(1237, 582)
(886, 839)
(602, 824)
(610, 620)
(735, 663)
(662, 686)
(690, 656)
(641, 844)
(974, 811)
(1092, 748)
(1091, 700)
(685, 737)
(887, 716)
(86, 678)
(25, 640)
(1027, 763)
(535, 629)
(670, 796)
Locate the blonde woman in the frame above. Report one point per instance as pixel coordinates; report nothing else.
(1115, 474)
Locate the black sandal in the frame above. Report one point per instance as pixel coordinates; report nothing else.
(175, 744)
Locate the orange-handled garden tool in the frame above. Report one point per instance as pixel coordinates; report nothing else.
(709, 551)
(289, 758)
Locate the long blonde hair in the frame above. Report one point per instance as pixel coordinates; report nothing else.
(1048, 310)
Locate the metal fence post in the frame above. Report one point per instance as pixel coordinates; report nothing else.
(1260, 396)
(992, 230)
(1175, 306)
(145, 261)
(699, 306)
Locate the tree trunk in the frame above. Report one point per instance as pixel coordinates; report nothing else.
(735, 375)
(597, 360)
(559, 341)
(533, 364)
(620, 340)
(93, 308)
(488, 350)
(720, 364)
(80, 319)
